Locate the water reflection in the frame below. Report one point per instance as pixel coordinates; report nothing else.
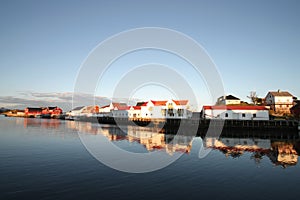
(281, 152)
(43, 123)
(150, 138)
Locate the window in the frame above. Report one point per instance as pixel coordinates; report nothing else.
(171, 112)
(180, 112)
(163, 112)
(254, 115)
(226, 114)
(243, 115)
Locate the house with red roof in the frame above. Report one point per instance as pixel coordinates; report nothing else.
(165, 109)
(107, 110)
(236, 112)
(151, 109)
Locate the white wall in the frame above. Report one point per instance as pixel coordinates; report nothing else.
(237, 114)
(134, 113)
(120, 113)
(230, 102)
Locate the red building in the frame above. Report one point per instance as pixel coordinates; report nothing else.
(32, 112)
(43, 111)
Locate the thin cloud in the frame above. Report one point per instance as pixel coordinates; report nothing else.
(64, 100)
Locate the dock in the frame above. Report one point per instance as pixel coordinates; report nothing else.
(201, 125)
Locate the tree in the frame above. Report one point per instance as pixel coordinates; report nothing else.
(253, 97)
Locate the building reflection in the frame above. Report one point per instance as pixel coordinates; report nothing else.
(150, 138)
(43, 123)
(281, 152)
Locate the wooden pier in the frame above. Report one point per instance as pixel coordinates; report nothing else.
(202, 125)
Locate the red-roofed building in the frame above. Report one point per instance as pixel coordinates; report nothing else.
(151, 109)
(32, 112)
(159, 103)
(181, 102)
(236, 112)
(165, 109)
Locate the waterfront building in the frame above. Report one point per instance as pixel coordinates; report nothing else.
(32, 112)
(171, 109)
(120, 112)
(76, 112)
(106, 111)
(280, 102)
(237, 112)
(52, 111)
(228, 100)
(83, 111)
(134, 112)
(174, 109)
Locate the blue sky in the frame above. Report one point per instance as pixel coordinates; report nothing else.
(254, 44)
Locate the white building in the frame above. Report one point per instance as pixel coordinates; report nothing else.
(107, 111)
(76, 112)
(236, 112)
(134, 112)
(228, 100)
(82, 111)
(176, 109)
(280, 101)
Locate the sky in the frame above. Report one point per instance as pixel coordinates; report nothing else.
(255, 45)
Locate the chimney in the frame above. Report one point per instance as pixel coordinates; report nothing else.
(278, 90)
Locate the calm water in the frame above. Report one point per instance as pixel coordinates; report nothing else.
(45, 159)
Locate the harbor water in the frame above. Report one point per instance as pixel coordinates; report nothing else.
(46, 159)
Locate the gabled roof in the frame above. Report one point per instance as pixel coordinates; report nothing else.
(123, 108)
(78, 108)
(105, 106)
(119, 105)
(142, 103)
(281, 94)
(136, 107)
(52, 107)
(231, 97)
(234, 108)
(159, 103)
(180, 102)
(34, 109)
